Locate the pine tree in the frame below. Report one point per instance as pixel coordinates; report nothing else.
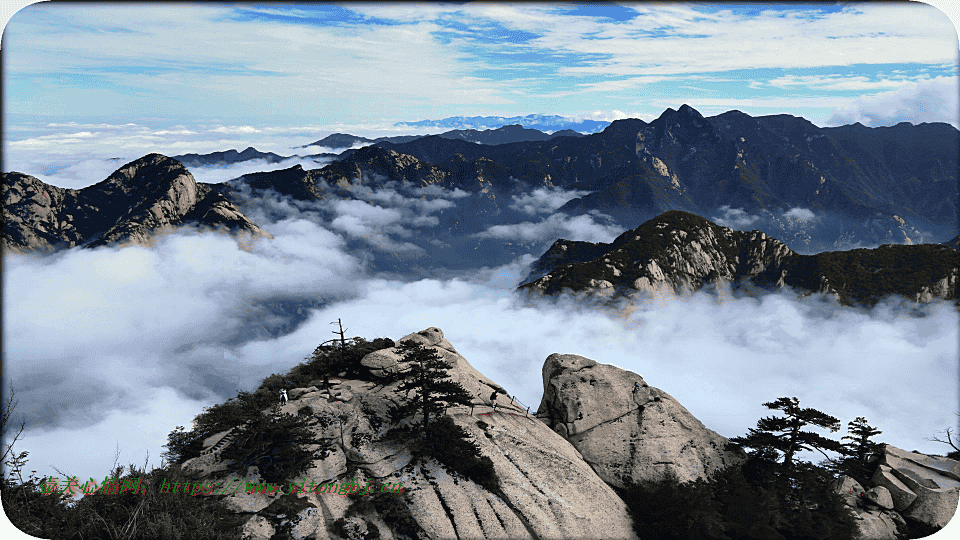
(861, 447)
(428, 378)
(776, 436)
(855, 453)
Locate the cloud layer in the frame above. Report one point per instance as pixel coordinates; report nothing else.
(114, 347)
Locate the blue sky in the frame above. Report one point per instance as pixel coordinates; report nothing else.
(128, 79)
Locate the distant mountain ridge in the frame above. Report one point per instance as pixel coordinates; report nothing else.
(680, 252)
(501, 135)
(787, 178)
(533, 121)
(228, 157)
(817, 188)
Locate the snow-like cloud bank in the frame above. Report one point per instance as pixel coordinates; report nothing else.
(801, 214)
(735, 218)
(543, 200)
(931, 100)
(586, 227)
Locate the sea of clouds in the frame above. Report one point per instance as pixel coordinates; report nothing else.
(108, 350)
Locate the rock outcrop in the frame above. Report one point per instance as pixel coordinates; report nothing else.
(907, 487)
(872, 510)
(139, 200)
(928, 489)
(625, 429)
(678, 252)
(547, 489)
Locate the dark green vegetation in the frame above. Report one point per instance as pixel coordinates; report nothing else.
(41, 510)
(276, 446)
(855, 454)
(859, 276)
(428, 379)
(776, 437)
(760, 499)
(443, 440)
(328, 360)
(771, 496)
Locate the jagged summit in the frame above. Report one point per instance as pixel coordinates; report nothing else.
(547, 490)
(680, 252)
(598, 427)
(138, 200)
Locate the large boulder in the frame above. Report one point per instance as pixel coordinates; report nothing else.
(931, 479)
(875, 525)
(879, 496)
(627, 430)
(849, 489)
(902, 496)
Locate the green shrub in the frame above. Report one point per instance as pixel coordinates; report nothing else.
(670, 510)
(449, 444)
(760, 499)
(148, 515)
(392, 509)
(276, 446)
(330, 360)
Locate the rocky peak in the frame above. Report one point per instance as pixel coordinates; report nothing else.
(676, 251)
(682, 252)
(627, 430)
(292, 181)
(138, 200)
(547, 489)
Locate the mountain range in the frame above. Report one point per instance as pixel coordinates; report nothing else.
(816, 188)
(534, 121)
(501, 135)
(813, 189)
(679, 252)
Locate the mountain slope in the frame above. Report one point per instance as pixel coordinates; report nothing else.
(227, 157)
(818, 188)
(138, 200)
(681, 252)
(546, 489)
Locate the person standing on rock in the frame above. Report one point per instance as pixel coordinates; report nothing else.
(283, 396)
(493, 400)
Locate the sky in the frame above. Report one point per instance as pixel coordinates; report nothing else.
(125, 80)
(110, 349)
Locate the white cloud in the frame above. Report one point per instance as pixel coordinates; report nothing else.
(120, 345)
(932, 100)
(543, 200)
(837, 82)
(735, 218)
(92, 334)
(801, 214)
(558, 225)
(235, 129)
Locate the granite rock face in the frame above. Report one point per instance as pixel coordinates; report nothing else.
(907, 487)
(934, 482)
(548, 490)
(678, 252)
(627, 430)
(144, 197)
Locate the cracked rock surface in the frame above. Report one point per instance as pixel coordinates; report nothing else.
(547, 489)
(625, 429)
